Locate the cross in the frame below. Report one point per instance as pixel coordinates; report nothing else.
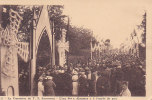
(63, 46)
(9, 40)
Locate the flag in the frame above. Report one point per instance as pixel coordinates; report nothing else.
(131, 36)
(134, 33)
(23, 50)
(68, 26)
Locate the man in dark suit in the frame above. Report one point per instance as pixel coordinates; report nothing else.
(83, 85)
(49, 86)
(102, 85)
(67, 81)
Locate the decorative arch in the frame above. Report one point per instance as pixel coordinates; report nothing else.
(43, 24)
(12, 89)
(40, 36)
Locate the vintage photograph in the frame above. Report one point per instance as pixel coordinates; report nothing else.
(76, 49)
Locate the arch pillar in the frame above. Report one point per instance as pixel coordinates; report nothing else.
(38, 29)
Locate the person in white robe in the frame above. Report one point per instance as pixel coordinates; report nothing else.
(125, 91)
(75, 83)
(40, 87)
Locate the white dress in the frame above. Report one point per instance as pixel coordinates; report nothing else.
(75, 85)
(40, 89)
(89, 76)
(126, 93)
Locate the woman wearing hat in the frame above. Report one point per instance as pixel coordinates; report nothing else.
(49, 86)
(75, 83)
(40, 86)
(124, 89)
(83, 84)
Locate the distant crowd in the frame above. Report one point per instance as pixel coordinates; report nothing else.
(115, 75)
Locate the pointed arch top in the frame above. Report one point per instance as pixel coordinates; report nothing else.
(42, 25)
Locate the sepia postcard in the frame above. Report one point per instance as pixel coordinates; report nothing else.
(76, 50)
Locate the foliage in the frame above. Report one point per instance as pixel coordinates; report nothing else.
(142, 26)
(79, 39)
(57, 19)
(26, 24)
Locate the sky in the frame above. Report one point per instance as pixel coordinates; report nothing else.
(107, 19)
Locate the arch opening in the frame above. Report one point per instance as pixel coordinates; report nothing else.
(10, 91)
(44, 51)
(43, 57)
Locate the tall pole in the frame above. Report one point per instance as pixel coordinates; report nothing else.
(145, 27)
(33, 61)
(137, 46)
(91, 47)
(53, 45)
(99, 52)
(67, 39)
(1, 10)
(30, 55)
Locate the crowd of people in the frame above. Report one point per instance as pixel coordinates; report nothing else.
(114, 75)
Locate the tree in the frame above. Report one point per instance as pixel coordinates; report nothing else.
(142, 26)
(79, 39)
(57, 18)
(142, 46)
(26, 12)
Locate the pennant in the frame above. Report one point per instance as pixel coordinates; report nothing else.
(67, 46)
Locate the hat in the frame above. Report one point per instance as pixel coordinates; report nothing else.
(60, 71)
(87, 69)
(49, 77)
(125, 83)
(83, 73)
(118, 66)
(77, 69)
(140, 66)
(93, 70)
(82, 70)
(40, 78)
(85, 76)
(75, 73)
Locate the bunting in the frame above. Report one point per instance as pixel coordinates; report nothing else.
(23, 50)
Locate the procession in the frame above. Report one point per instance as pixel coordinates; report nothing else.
(107, 78)
(46, 50)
